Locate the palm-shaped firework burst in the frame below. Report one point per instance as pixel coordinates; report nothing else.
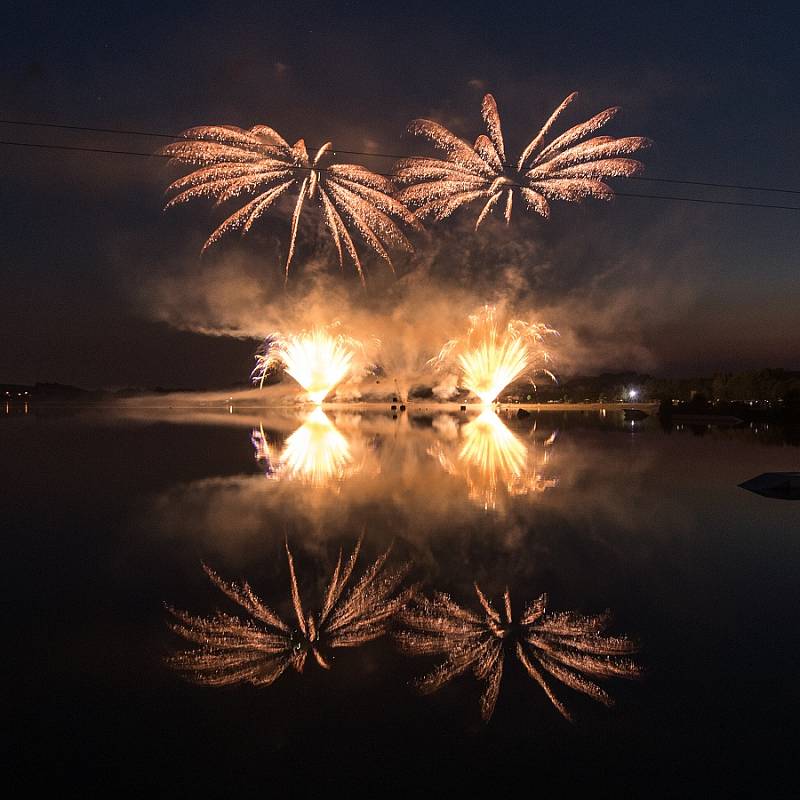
(259, 649)
(570, 168)
(260, 164)
(566, 646)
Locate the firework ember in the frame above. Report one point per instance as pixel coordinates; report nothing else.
(490, 357)
(572, 167)
(492, 457)
(319, 359)
(261, 165)
(565, 646)
(315, 454)
(260, 648)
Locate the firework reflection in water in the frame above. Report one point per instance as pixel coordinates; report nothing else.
(491, 457)
(569, 647)
(259, 648)
(490, 357)
(318, 359)
(316, 454)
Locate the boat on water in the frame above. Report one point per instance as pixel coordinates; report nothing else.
(777, 485)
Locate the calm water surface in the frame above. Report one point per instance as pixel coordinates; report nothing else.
(109, 515)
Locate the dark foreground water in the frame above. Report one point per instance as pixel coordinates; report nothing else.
(106, 517)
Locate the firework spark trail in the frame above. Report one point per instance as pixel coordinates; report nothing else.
(316, 454)
(569, 647)
(261, 165)
(570, 168)
(490, 357)
(261, 647)
(318, 359)
(492, 457)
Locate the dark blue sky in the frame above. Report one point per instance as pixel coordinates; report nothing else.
(83, 237)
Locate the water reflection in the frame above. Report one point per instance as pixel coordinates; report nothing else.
(428, 476)
(567, 646)
(491, 456)
(315, 454)
(483, 454)
(259, 649)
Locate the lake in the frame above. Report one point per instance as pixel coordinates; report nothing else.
(110, 514)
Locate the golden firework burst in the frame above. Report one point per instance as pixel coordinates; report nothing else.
(258, 163)
(570, 168)
(318, 359)
(491, 356)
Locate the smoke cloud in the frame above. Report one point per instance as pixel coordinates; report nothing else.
(608, 312)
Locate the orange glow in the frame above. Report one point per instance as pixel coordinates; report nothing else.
(316, 454)
(490, 357)
(491, 457)
(319, 359)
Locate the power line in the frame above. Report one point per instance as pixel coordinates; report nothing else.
(121, 131)
(81, 149)
(715, 185)
(172, 136)
(704, 200)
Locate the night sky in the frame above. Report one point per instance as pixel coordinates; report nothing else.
(87, 251)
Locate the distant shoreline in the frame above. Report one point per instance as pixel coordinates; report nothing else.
(223, 404)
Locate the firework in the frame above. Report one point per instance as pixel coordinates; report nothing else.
(260, 165)
(491, 457)
(572, 167)
(261, 647)
(490, 357)
(315, 454)
(566, 646)
(318, 359)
